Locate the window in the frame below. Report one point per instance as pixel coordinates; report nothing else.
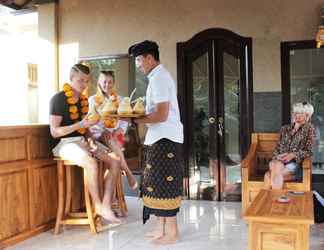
(303, 80)
(19, 74)
(32, 75)
(127, 76)
(32, 94)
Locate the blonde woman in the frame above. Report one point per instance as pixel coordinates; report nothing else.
(111, 137)
(295, 144)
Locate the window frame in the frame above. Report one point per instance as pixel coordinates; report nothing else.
(286, 47)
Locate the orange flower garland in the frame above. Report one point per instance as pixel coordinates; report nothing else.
(112, 122)
(73, 109)
(109, 122)
(114, 97)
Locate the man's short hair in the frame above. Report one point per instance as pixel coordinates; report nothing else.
(77, 68)
(145, 48)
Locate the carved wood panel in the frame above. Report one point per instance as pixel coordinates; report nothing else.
(13, 149)
(44, 193)
(39, 147)
(14, 205)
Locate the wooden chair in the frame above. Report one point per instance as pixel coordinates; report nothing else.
(256, 163)
(64, 214)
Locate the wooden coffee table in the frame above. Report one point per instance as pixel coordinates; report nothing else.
(274, 225)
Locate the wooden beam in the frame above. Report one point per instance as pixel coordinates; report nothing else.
(26, 5)
(45, 1)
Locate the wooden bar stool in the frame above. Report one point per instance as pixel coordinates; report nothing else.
(64, 214)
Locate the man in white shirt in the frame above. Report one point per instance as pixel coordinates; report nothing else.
(162, 181)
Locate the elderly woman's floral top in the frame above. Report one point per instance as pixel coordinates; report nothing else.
(300, 142)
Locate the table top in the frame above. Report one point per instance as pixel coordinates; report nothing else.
(266, 208)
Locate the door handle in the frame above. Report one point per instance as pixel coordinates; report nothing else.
(212, 120)
(220, 126)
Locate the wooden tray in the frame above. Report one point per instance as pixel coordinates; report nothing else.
(126, 116)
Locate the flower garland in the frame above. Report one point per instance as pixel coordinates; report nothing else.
(111, 122)
(114, 98)
(73, 108)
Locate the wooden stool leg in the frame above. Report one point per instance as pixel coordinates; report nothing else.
(68, 195)
(88, 204)
(120, 194)
(101, 180)
(101, 172)
(60, 209)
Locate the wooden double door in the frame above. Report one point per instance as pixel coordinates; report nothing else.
(215, 95)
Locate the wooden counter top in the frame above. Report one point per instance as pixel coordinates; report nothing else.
(20, 126)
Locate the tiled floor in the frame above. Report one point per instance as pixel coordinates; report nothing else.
(203, 225)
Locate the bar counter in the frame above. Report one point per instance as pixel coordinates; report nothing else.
(28, 183)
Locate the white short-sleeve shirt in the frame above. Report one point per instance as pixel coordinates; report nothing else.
(162, 88)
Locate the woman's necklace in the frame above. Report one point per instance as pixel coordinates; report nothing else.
(75, 115)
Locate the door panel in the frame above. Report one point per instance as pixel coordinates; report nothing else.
(202, 113)
(230, 125)
(214, 84)
(215, 172)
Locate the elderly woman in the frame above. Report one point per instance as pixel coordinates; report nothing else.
(295, 144)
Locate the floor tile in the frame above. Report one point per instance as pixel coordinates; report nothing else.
(202, 225)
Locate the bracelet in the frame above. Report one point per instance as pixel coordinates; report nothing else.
(81, 124)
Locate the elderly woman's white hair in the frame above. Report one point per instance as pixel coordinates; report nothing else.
(304, 108)
(309, 109)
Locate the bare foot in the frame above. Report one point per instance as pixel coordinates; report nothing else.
(154, 235)
(108, 214)
(97, 208)
(165, 240)
(121, 214)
